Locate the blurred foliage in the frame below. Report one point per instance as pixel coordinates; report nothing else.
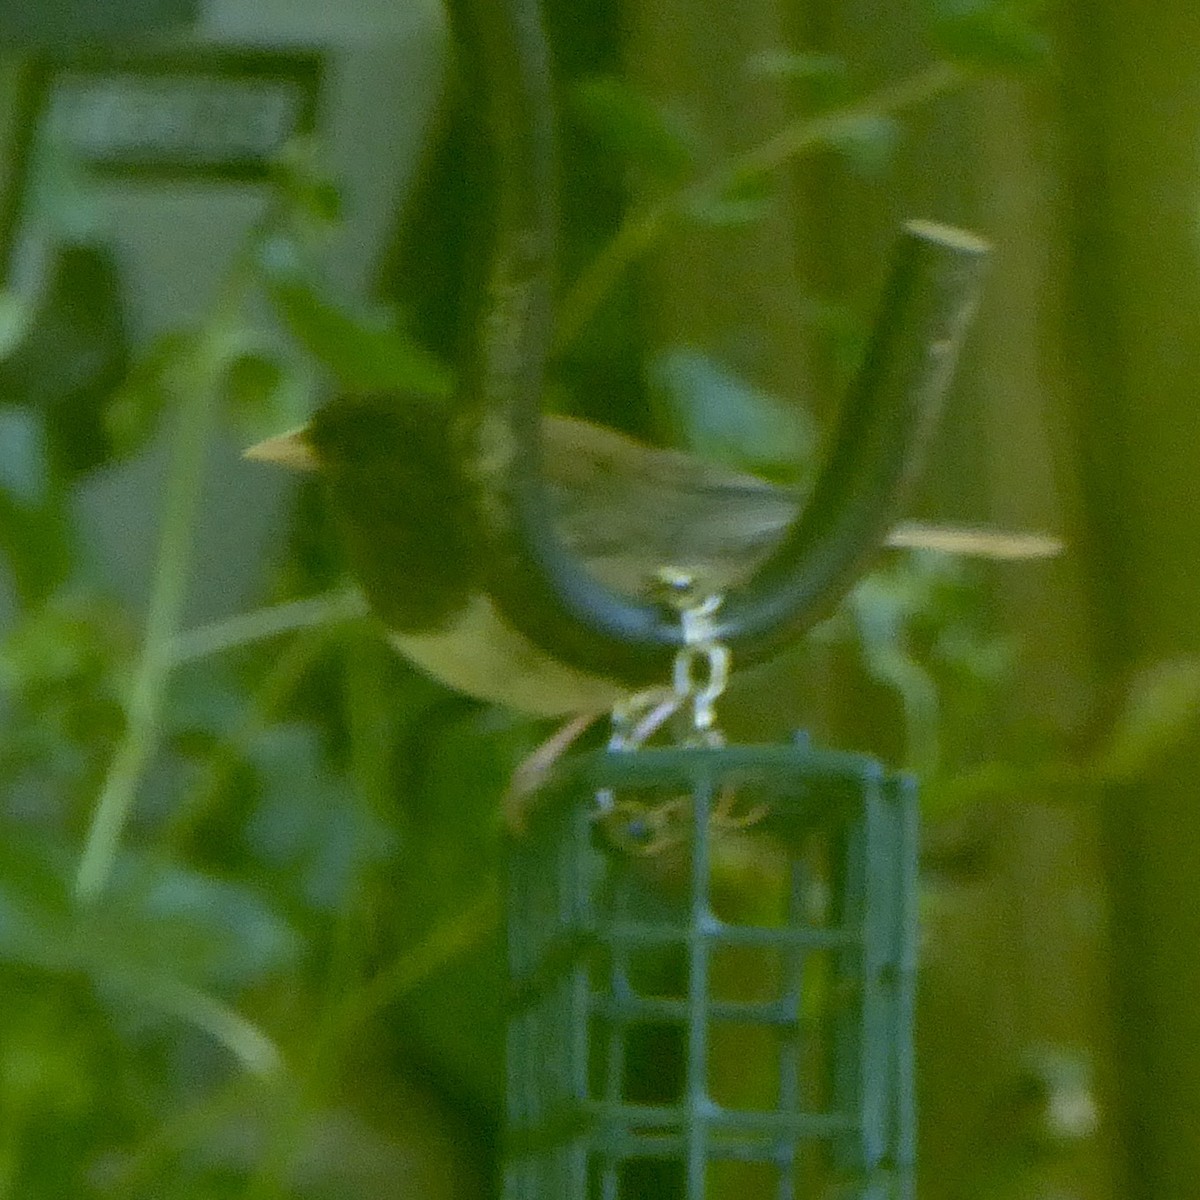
(243, 893)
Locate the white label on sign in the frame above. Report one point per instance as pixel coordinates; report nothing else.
(197, 121)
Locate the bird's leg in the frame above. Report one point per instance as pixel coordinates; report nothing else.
(639, 718)
(635, 721)
(533, 770)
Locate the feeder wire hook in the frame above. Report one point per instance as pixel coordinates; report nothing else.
(884, 424)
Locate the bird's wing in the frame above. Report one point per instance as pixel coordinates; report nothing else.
(629, 509)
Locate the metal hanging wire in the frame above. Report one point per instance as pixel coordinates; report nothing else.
(875, 452)
(617, 931)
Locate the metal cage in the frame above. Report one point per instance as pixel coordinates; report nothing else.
(718, 1002)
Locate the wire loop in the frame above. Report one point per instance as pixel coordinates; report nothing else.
(884, 423)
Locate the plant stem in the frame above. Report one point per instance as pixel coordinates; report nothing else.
(256, 1052)
(12, 1132)
(643, 227)
(811, 133)
(174, 1133)
(286, 672)
(197, 418)
(263, 623)
(453, 936)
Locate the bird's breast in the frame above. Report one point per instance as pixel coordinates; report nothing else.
(480, 654)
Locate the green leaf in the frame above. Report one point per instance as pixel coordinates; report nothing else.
(815, 81)
(1162, 708)
(266, 392)
(196, 927)
(132, 414)
(35, 907)
(365, 348)
(206, 706)
(986, 659)
(252, 379)
(15, 314)
(1043, 779)
(153, 921)
(206, 1012)
(639, 131)
(722, 417)
(154, 942)
(868, 143)
(72, 637)
(991, 36)
(46, 1057)
(306, 824)
(24, 462)
(170, 922)
(310, 195)
(795, 64)
(746, 200)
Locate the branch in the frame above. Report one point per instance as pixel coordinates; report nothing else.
(643, 227)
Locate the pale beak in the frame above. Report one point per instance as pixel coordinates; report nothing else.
(290, 449)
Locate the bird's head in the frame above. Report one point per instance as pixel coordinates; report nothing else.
(398, 494)
(361, 432)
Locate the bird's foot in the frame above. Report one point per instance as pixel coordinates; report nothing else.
(651, 829)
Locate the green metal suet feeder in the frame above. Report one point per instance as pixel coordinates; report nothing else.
(677, 1029)
(673, 1036)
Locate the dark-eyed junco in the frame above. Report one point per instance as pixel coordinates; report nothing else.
(630, 511)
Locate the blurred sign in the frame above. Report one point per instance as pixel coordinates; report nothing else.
(73, 22)
(228, 116)
(101, 127)
(133, 174)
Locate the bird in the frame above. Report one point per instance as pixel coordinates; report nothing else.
(630, 511)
